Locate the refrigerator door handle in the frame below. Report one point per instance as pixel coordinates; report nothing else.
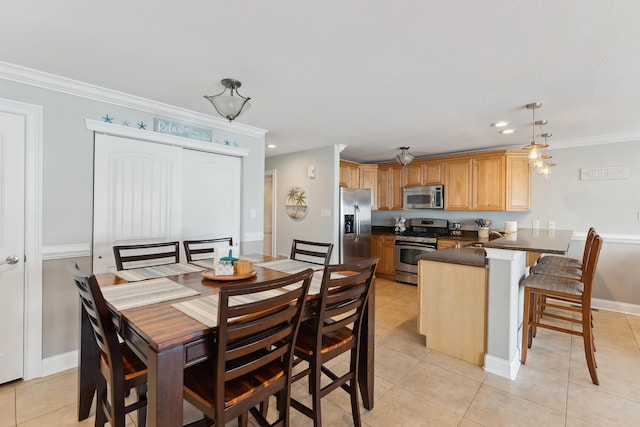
(356, 209)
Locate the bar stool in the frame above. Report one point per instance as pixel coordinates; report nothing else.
(567, 296)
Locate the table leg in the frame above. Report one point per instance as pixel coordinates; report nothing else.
(366, 369)
(164, 393)
(86, 366)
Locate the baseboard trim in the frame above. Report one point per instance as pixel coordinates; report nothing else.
(620, 307)
(61, 362)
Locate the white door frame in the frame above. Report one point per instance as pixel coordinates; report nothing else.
(32, 367)
(273, 172)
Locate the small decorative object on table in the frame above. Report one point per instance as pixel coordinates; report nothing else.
(399, 221)
(224, 268)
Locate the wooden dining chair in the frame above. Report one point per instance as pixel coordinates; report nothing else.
(145, 255)
(314, 252)
(118, 369)
(334, 330)
(253, 353)
(199, 248)
(565, 297)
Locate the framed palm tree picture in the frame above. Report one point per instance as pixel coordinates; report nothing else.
(296, 203)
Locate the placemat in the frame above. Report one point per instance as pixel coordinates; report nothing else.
(290, 266)
(205, 309)
(156, 271)
(146, 292)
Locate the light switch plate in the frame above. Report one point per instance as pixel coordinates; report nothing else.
(551, 225)
(325, 212)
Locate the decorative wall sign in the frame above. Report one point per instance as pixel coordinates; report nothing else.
(185, 130)
(296, 203)
(596, 174)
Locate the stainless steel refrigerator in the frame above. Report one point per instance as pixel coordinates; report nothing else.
(355, 224)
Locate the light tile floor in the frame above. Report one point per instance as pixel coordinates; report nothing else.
(417, 386)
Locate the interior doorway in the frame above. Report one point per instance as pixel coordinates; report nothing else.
(20, 240)
(269, 241)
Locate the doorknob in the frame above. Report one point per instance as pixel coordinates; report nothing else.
(11, 259)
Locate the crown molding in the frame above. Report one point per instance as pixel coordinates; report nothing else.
(29, 76)
(614, 138)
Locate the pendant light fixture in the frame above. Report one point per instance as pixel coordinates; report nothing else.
(405, 157)
(229, 106)
(538, 158)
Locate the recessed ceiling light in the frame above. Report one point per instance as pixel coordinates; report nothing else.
(499, 124)
(507, 131)
(271, 145)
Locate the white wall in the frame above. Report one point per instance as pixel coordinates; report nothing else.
(611, 206)
(291, 170)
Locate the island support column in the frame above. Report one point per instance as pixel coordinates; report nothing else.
(507, 268)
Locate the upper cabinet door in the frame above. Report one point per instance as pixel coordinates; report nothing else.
(458, 189)
(489, 183)
(518, 183)
(413, 174)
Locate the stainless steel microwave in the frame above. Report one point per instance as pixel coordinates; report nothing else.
(423, 197)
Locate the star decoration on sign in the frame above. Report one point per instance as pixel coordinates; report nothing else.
(125, 122)
(141, 125)
(107, 119)
(227, 142)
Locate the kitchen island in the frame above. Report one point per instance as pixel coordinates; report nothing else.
(475, 320)
(452, 289)
(507, 268)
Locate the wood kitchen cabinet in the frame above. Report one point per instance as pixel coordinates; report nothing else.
(349, 174)
(390, 187)
(518, 182)
(369, 179)
(413, 174)
(453, 309)
(433, 172)
(496, 181)
(458, 185)
(383, 246)
(488, 183)
(445, 242)
(424, 173)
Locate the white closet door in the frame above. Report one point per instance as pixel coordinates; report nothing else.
(211, 196)
(137, 195)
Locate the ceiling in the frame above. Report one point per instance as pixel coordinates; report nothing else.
(373, 75)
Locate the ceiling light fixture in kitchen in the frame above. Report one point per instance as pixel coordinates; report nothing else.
(537, 149)
(229, 106)
(405, 157)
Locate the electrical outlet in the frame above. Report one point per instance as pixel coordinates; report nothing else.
(551, 225)
(536, 224)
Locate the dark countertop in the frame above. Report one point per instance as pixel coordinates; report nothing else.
(534, 240)
(383, 229)
(474, 257)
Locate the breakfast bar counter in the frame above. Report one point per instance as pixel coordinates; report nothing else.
(507, 268)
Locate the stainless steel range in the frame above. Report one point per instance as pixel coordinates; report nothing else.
(420, 238)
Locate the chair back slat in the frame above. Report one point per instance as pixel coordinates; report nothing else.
(203, 249)
(314, 252)
(133, 256)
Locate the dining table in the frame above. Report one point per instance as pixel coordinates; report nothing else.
(168, 340)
